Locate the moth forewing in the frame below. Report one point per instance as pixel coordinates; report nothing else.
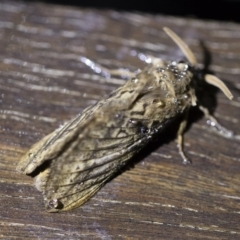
(51, 145)
(87, 151)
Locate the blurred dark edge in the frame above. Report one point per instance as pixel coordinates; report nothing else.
(223, 10)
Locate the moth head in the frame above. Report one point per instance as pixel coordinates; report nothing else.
(209, 78)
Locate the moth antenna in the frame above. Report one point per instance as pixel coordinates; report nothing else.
(213, 80)
(182, 45)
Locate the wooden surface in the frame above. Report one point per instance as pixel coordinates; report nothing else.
(44, 82)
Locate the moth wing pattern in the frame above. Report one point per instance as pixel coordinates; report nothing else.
(87, 163)
(89, 149)
(51, 145)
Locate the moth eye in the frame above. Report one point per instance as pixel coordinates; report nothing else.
(55, 203)
(186, 96)
(135, 80)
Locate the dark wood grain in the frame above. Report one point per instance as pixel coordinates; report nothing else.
(44, 83)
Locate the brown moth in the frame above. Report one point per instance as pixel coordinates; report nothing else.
(83, 154)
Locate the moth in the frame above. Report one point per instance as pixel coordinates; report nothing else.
(78, 158)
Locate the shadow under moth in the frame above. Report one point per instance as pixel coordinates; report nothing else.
(83, 154)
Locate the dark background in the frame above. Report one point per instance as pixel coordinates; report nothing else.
(225, 10)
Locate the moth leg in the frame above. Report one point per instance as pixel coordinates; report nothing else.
(216, 126)
(180, 132)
